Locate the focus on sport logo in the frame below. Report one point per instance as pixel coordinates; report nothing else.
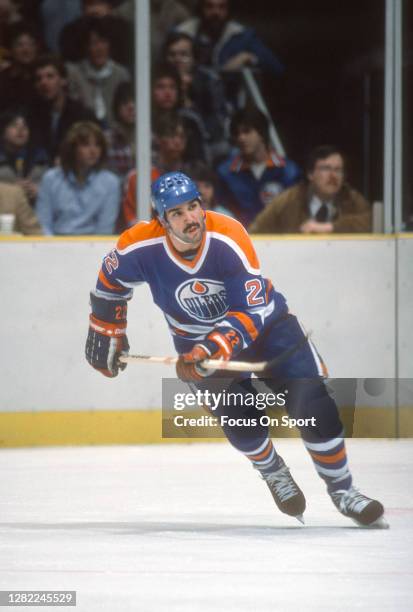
(203, 299)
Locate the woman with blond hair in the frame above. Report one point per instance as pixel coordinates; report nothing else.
(80, 196)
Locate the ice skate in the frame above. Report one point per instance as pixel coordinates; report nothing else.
(285, 491)
(364, 511)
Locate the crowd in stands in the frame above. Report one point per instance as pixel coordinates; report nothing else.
(67, 121)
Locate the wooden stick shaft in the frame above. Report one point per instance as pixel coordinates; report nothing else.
(208, 364)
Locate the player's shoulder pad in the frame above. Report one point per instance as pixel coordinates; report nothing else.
(140, 234)
(233, 233)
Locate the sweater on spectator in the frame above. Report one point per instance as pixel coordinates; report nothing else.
(66, 207)
(14, 202)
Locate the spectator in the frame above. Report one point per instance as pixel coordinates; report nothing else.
(55, 16)
(167, 97)
(224, 43)
(54, 113)
(252, 176)
(120, 31)
(171, 144)
(21, 162)
(121, 137)
(165, 15)
(9, 15)
(80, 197)
(16, 81)
(202, 90)
(206, 181)
(96, 77)
(322, 204)
(14, 202)
(128, 217)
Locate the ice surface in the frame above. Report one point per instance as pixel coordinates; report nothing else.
(193, 528)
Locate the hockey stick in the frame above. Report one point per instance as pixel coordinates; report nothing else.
(217, 364)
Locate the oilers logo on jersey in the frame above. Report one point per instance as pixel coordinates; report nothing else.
(203, 299)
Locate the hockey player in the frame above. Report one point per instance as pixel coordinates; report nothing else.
(204, 274)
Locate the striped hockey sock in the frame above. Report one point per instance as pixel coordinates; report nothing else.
(264, 458)
(330, 461)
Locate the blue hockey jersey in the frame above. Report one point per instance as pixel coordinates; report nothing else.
(220, 289)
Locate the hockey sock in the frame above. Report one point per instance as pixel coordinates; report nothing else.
(330, 461)
(264, 458)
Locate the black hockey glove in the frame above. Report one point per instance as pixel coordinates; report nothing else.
(107, 338)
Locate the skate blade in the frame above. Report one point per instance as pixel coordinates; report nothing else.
(300, 518)
(379, 523)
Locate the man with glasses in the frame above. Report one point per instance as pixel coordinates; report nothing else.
(321, 204)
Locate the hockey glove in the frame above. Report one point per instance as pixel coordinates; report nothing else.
(215, 346)
(107, 338)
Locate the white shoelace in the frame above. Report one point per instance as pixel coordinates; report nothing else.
(351, 500)
(282, 482)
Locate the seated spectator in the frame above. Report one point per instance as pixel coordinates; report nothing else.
(224, 43)
(121, 137)
(9, 15)
(21, 162)
(54, 112)
(14, 202)
(128, 217)
(165, 14)
(80, 197)
(252, 176)
(202, 91)
(321, 204)
(16, 81)
(206, 181)
(55, 16)
(171, 144)
(167, 97)
(121, 33)
(94, 80)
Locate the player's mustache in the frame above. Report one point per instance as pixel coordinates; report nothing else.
(192, 226)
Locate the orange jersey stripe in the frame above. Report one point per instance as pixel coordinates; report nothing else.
(329, 458)
(140, 232)
(232, 229)
(246, 322)
(107, 284)
(265, 453)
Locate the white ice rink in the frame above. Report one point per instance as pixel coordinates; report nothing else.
(193, 528)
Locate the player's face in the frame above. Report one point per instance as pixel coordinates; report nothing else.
(328, 176)
(88, 154)
(186, 225)
(49, 83)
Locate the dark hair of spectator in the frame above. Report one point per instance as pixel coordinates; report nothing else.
(174, 37)
(9, 116)
(101, 26)
(124, 93)
(113, 3)
(167, 124)
(164, 70)
(250, 119)
(201, 3)
(199, 171)
(81, 133)
(22, 29)
(321, 152)
(51, 60)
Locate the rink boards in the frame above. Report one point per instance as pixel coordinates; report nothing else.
(355, 294)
